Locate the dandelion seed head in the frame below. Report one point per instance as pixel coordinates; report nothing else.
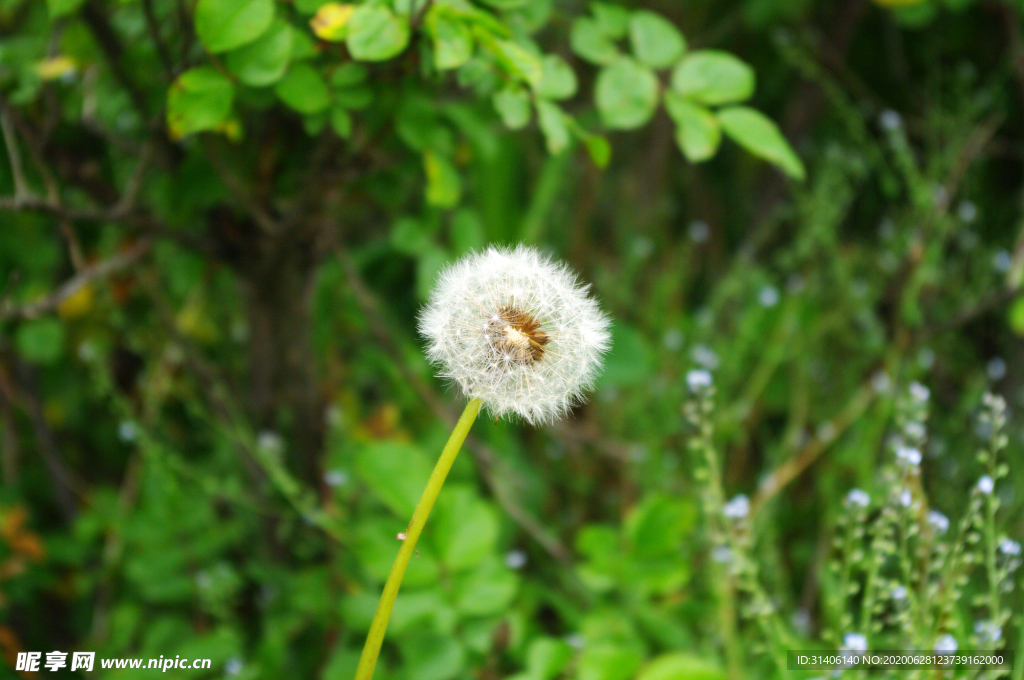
(516, 330)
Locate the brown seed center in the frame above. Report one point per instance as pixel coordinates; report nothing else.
(517, 335)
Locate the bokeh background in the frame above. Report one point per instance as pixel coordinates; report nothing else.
(217, 226)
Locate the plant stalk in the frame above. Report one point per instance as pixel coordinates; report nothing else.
(368, 660)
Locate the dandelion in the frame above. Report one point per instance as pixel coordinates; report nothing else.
(519, 335)
(517, 331)
(858, 497)
(986, 485)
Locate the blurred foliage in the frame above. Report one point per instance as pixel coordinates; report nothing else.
(220, 218)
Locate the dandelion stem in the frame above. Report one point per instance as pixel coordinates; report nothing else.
(368, 660)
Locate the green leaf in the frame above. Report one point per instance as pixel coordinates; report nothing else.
(223, 25)
(354, 97)
(590, 42)
(759, 135)
(681, 666)
(349, 74)
(713, 77)
(41, 341)
(626, 94)
(506, 5)
(488, 590)
(396, 472)
(558, 80)
(612, 20)
(657, 525)
(453, 41)
(656, 42)
(608, 661)
(375, 33)
(199, 99)
(521, 61)
(546, 658)
(697, 131)
(513, 105)
(552, 124)
(308, 6)
(466, 528)
(264, 61)
(331, 21)
(304, 89)
(429, 657)
(1015, 317)
(59, 8)
(444, 186)
(341, 121)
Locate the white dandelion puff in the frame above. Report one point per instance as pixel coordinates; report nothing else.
(516, 330)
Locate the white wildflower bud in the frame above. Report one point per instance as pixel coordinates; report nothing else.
(516, 330)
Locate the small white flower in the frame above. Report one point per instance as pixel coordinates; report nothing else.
(854, 642)
(914, 430)
(909, 455)
(919, 392)
(705, 356)
(127, 431)
(938, 521)
(516, 330)
(699, 231)
(335, 477)
(986, 485)
(945, 644)
(899, 592)
(698, 379)
(515, 559)
(906, 498)
(1009, 547)
(1001, 261)
(721, 554)
(233, 666)
(890, 120)
(768, 296)
(988, 632)
(880, 382)
(996, 368)
(737, 508)
(858, 497)
(967, 211)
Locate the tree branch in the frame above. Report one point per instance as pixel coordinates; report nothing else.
(102, 270)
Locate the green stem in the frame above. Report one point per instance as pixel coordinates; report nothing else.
(368, 660)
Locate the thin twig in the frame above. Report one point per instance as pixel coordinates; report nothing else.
(153, 26)
(10, 141)
(98, 271)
